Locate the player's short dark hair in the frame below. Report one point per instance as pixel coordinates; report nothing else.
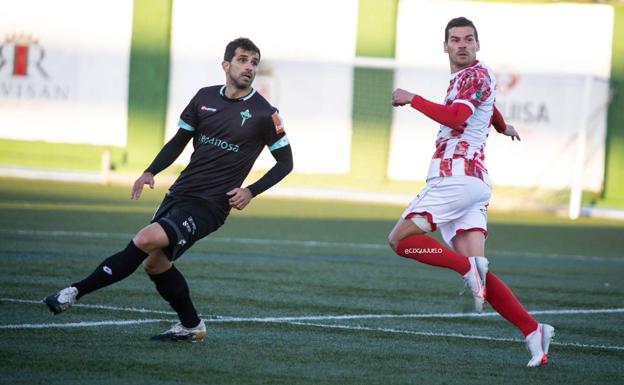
(241, 42)
(459, 22)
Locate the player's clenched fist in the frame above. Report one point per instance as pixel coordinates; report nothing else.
(400, 97)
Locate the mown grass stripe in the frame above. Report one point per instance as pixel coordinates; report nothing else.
(299, 243)
(86, 324)
(450, 335)
(86, 207)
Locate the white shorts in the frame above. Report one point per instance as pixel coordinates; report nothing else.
(452, 204)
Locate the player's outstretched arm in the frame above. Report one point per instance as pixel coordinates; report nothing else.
(453, 116)
(165, 157)
(170, 151)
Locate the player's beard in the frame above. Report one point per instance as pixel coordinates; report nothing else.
(463, 62)
(241, 82)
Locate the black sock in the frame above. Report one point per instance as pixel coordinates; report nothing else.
(112, 269)
(173, 288)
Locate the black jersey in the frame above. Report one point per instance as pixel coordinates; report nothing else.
(228, 137)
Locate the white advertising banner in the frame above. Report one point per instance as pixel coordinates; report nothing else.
(547, 88)
(64, 70)
(305, 71)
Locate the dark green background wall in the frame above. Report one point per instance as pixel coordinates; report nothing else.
(149, 80)
(613, 194)
(372, 112)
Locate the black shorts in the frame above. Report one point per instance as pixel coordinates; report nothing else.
(186, 221)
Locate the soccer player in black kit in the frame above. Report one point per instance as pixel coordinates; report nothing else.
(230, 125)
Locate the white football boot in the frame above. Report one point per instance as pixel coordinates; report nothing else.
(181, 333)
(61, 301)
(537, 344)
(474, 280)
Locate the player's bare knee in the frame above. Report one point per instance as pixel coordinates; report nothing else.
(142, 242)
(393, 242)
(153, 266)
(149, 266)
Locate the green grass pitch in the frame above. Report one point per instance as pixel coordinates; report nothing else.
(298, 292)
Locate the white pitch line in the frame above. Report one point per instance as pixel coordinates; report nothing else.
(63, 233)
(415, 315)
(303, 243)
(450, 335)
(82, 324)
(103, 307)
(286, 242)
(578, 311)
(250, 241)
(298, 321)
(224, 319)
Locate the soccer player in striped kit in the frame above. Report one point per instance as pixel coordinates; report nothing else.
(458, 190)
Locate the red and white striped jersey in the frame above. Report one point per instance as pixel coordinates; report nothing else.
(462, 152)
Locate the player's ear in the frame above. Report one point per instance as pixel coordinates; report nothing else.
(478, 46)
(445, 47)
(225, 65)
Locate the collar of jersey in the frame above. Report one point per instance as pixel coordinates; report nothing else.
(474, 63)
(246, 97)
